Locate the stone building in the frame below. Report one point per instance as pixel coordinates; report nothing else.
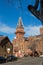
(36, 44)
(19, 43)
(24, 44)
(41, 30)
(6, 47)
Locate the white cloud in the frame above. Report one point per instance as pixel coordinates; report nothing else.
(6, 29)
(29, 30)
(32, 30)
(14, 37)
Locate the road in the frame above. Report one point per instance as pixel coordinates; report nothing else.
(26, 61)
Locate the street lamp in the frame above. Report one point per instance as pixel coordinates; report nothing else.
(8, 50)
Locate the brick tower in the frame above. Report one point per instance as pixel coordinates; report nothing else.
(18, 43)
(19, 29)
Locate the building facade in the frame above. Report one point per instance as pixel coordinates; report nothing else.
(24, 44)
(41, 30)
(6, 47)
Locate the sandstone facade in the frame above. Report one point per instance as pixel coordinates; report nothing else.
(28, 45)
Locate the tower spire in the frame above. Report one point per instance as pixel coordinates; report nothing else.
(20, 24)
(20, 27)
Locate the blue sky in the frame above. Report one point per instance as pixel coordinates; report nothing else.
(9, 15)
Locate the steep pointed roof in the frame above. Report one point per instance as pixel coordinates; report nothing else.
(20, 24)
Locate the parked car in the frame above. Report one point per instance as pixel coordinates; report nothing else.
(2, 59)
(25, 55)
(41, 56)
(11, 58)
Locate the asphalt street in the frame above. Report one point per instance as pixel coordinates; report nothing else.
(26, 61)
